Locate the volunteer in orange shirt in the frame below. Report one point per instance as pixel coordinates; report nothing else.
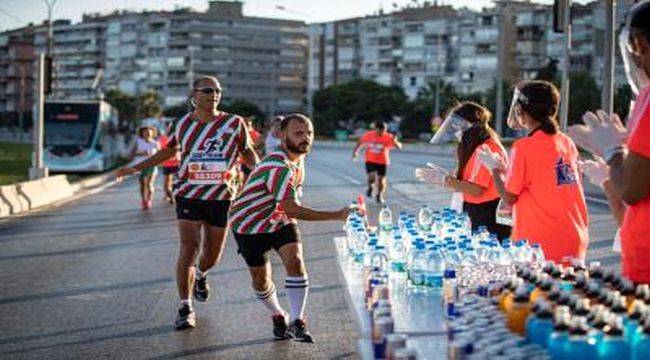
(470, 123)
(378, 143)
(542, 181)
(628, 153)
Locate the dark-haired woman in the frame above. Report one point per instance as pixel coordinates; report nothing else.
(470, 122)
(542, 181)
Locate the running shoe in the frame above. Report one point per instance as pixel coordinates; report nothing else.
(369, 192)
(280, 327)
(380, 199)
(186, 318)
(201, 289)
(298, 331)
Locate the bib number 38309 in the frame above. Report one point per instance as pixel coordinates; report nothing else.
(207, 170)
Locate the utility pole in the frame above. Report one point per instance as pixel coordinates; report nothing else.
(38, 170)
(564, 7)
(50, 32)
(607, 100)
(498, 118)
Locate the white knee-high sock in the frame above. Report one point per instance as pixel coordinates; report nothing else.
(270, 300)
(297, 288)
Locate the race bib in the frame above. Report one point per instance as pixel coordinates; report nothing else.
(204, 169)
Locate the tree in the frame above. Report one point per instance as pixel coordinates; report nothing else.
(420, 111)
(358, 100)
(243, 108)
(622, 100)
(176, 111)
(549, 72)
(584, 95)
(124, 103)
(148, 104)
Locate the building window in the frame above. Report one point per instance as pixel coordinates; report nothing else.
(414, 81)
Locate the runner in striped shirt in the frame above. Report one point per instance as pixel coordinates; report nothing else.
(264, 218)
(210, 142)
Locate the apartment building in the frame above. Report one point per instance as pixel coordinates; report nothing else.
(16, 74)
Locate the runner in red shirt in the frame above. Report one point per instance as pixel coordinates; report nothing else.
(169, 170)
(628, 154)
(378, 144)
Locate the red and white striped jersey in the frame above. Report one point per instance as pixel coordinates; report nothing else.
(257, 209)
(209, 152)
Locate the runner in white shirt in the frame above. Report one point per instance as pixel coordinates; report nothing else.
(144, 146)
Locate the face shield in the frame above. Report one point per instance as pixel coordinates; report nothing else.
(637, 78)
(451, 129)
(514, 114)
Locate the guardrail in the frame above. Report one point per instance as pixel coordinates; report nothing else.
(31, 195)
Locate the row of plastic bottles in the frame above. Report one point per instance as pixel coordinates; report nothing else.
(579, 313)
(423, 249)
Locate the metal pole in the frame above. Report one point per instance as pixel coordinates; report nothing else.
(50, 38)
(498, 118)
(38, 170)
(564, 102)
(607, 100)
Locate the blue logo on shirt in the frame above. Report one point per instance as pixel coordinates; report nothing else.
(564, 173)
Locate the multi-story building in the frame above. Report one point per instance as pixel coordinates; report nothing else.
(257, 59)
(16, 74)
(537, 43)
(409, 48)
(78, 52)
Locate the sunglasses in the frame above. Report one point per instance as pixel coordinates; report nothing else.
(208, 90)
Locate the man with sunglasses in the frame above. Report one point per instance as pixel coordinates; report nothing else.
(210, 142)
(627, 150)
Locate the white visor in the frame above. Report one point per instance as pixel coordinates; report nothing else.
(450, 129)
(637, 78)
(514, 114)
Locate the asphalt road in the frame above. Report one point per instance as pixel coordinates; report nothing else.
(94, 279)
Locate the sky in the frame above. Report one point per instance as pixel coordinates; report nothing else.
(16, 13)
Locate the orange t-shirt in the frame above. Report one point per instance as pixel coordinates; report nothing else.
(635, 231)
(172, 161)
(550, 207)
(478, 174)
(377, 147)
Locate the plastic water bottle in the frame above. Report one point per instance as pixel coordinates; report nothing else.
(614, 345)
(385, 219)
(537, 259)
(379, 258)
(419, 266)
(450, 292)
(579, 347)
(361, 240)
(425, 218)
(540, 326)
(641, 344)
(435, 268)
(398, 255)
(559, 338)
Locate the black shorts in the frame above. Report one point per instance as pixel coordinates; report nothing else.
(255, 247)
(484, 214)
(380, 169)
(170, 170)
(214, 212)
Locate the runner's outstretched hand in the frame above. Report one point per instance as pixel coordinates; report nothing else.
(121, 173)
